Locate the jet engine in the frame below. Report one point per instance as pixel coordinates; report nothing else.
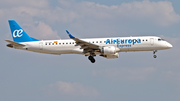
(108, 50)
(111, 56)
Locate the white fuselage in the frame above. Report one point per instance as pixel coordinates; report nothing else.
(122, 44)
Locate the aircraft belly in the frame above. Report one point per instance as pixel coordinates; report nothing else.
(63, 50)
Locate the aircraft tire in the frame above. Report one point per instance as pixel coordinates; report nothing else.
(91, 58)
(155, 56)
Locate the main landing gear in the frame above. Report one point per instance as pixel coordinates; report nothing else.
(154, 52)
(91, 58)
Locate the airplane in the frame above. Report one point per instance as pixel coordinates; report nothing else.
(106, 47)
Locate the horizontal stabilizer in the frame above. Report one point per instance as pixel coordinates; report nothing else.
(14, 43)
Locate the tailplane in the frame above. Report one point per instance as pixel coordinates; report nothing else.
(18, 34)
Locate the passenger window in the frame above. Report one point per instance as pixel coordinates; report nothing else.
(96, 41)
(52, 43)
(100, 41)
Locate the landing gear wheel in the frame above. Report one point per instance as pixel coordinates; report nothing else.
(154, 52)
(91, 58)
(155, 56)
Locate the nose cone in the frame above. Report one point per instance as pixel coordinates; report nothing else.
(169, 45)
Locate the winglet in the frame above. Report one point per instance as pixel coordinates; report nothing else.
(72, 37)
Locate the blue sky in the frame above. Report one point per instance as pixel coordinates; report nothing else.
(137, 76)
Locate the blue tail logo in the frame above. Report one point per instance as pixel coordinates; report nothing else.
(18, 34)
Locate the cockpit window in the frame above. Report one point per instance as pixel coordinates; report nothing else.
(160, 39)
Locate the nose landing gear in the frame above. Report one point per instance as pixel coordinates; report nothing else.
(154, 52)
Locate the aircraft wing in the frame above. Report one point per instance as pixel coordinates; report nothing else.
(14, 43)
(83, 44)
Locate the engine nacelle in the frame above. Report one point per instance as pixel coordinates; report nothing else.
(108, 50)
(111, 56)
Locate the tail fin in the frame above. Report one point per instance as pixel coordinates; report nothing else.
(18, 34)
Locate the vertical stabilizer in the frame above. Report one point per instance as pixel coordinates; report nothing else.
(18, 34)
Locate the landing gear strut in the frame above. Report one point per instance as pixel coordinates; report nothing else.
(91, 58)
(154, 52)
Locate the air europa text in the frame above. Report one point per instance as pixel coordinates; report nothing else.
(123, 41)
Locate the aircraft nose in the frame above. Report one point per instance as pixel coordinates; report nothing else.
(169, 45)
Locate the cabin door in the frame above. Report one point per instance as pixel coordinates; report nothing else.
(41, 45)
(152, 41)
